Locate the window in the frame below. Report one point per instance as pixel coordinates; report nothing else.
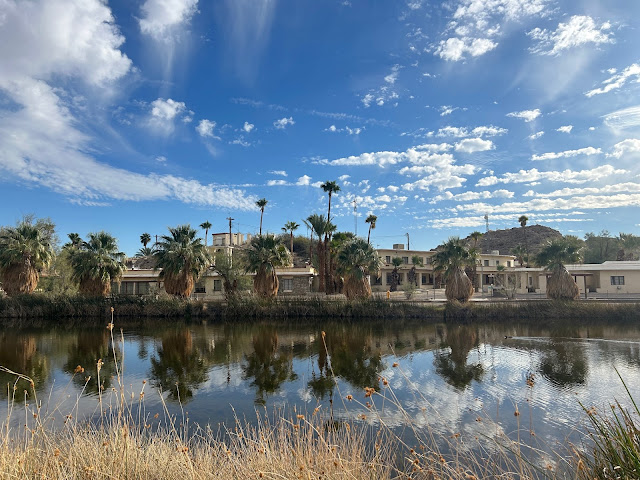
(217, 285)
(388, 259)
(429, 261)
(424, 279)
(200, 287)
(497, 262)
(617, 280)
(377, 281)
(486, 263)
(405, 260)
(389, 278)
(400, 278)
(508, 263)
(143, 288)
(127, 288)
(286, 284)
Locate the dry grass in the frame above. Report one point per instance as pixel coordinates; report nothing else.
(123, 441)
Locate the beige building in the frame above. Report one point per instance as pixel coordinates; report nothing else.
(489, 269)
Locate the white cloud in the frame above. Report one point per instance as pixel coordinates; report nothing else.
(471, 145)
(248, 127)
(617, 81)
(367, 99)
(349, 130)
(489, 131)
(567, 153)
(568, 192)
(282, 173)
(283, 122)
(435, 147)
(565, 176)
(161, 159)
(467, 196)
(628, 146)
(536, 135)
(565, 129)
(393, 76)
(455, 49)
(526, 115)
(449, 131)
(205, 128)
(164, 113)
(160, 16)
(304, 180)
(623, 119)
(579, 30)
(447, 110)
(71, 39)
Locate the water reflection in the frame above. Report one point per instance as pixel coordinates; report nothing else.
(87, 348)
(179, 367)
(564, 363)
(19, 353)
(452, 365)
(268, 367)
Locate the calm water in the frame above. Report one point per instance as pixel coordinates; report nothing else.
(446, 378)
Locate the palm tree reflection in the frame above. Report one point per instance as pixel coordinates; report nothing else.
(452, 366)
(19, 354)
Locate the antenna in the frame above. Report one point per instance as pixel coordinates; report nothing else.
(486, 219)
(355, 214)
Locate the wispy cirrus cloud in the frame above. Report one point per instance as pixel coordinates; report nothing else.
(568, 153)
(617, 81)
(578, 31)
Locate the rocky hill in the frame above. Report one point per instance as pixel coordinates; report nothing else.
(506, 240)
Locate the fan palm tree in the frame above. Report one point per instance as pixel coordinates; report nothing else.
(330, 188)
(182, 258)
(290, 227)
(319, 226)
(521, 254)
(554, 256)
(75, 240)
(144, 252)
(145, 238)
(451, 260)
(205, 226)
(97, 263)
(412, 276)
(261, 204)
(522, 220)
(263, 256)
(24, 251)
(371, 220)
(475, 236)
(395, 276)
(355, 261)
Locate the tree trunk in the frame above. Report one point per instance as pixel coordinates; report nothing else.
(20, 278)
(328, 280)
(395, 278)
(180, 285)
(356, 289)
(321, 266)
(266, 283)
(459, 287)
(94, 287)
(561, 286)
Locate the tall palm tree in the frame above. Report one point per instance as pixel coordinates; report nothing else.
(371, 220)
(24, 251)
(263, 256)
(182, 258)
(451, 260)
(205, 226)
(395, 276)
(290, 227)
(521, 254)
(319, 226)
(522, 220)
(554, 256)
(97, 263)
(329, 187)
(355, 261)
(475, 236)
(145, 238)
(144, 252)
(412, 276)
(75, 240)
(261, 204)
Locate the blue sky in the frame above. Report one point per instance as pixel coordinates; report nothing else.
(131, 116)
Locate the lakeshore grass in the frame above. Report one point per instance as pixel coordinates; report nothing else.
(124, 440)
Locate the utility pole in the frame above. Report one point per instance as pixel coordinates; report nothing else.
(407, 234)
(355, 215)
(230, 237)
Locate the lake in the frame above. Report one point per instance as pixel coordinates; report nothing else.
(448, 379)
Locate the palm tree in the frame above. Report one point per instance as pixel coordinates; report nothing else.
(290, 227)
(205, 226)
(330, 188)
(144, 252)
(97, 263)
(553, 256)
(475, 236)
(451, 260)
(412, 276)
(523, 219)
(355, 261)
(521, 254)
(371, 220)
(395, 276)
(75, 240)
(182, 258)
(263, 256)
(261, 204)
(24, 251)
(319, 226)
(145, 238)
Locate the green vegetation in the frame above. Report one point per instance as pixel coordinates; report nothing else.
(602, 247)
(182, 258)
(554, 256)
(261, 204)
(371, 220)
(264, 255)
(25, 250)
(290, 227)
(451, 260)
(96, 263)
(356, 260)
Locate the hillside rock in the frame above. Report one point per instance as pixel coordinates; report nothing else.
(506, 240)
